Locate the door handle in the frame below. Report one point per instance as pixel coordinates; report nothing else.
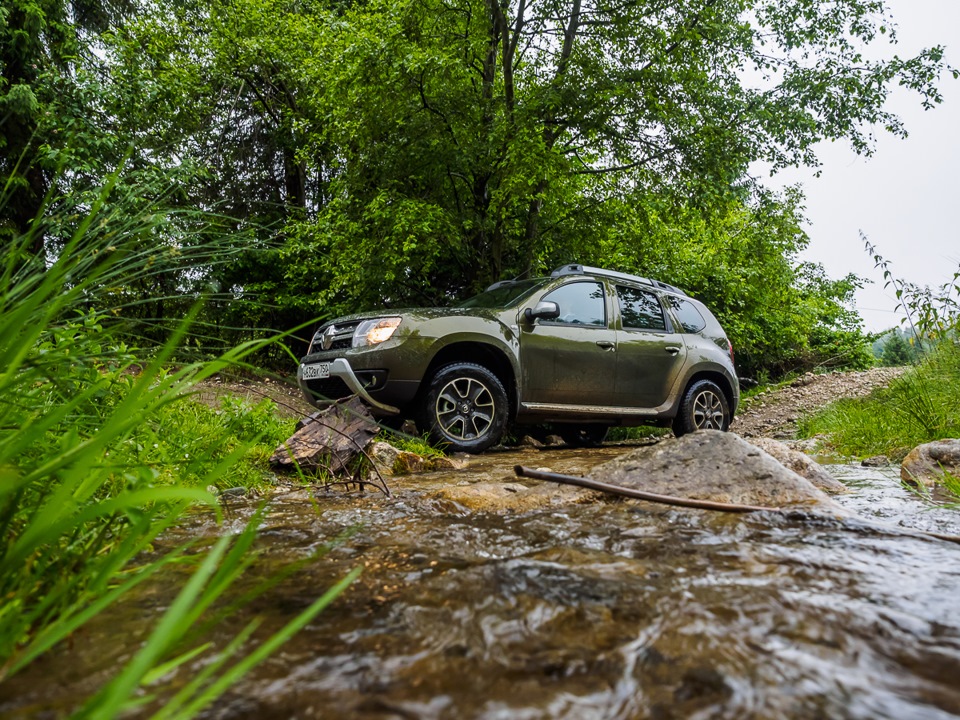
(672, 349)
(605, 345)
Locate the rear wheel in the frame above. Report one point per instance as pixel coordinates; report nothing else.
(704, 407)
(464, 408)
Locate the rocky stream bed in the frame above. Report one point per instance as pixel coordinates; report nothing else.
(485, 595)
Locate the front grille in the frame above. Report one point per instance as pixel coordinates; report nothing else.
(341, 338)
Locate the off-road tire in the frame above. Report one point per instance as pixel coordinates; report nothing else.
(464, 408)
(704, 407)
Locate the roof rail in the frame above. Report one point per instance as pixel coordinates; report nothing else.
(577, 269)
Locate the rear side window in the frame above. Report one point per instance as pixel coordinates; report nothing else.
(580, 304)
(687, 314)
(640, 310)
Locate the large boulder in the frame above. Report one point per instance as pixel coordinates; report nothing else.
(926, 464)
(717, 466)
(801, 464)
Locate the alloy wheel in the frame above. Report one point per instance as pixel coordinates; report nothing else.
(465, 408)
(708, 413)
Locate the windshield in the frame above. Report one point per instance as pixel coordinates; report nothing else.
(505, 295)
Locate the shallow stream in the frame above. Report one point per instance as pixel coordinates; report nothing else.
(598, 610)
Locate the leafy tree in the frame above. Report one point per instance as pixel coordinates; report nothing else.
(473, 140)
(399, 152)
(896, 351)
(44, 55)
(781, 315)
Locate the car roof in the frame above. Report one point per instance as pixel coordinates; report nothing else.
(577, 269)
(573, 269)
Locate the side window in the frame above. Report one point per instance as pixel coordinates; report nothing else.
(687, 314)
(640, 310)
(580, 304)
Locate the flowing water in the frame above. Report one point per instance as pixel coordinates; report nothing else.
(597, 610)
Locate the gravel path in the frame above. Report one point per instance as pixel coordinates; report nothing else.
(774, 413)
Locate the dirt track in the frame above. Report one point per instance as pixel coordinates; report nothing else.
(774, 413)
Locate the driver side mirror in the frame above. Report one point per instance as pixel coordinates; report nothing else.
(544, 309)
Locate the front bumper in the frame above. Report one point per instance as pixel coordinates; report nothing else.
(338, 370)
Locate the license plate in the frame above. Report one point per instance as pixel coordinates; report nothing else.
(318, 371)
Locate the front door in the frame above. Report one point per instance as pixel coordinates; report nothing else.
(571, 360)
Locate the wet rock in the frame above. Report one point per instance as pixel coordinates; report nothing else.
(383, 455)
(926, 464)
(801, 464)
(554, 440)
(393, 461)
(408, 463)
(876, 461)
(717, 466)
(528, 441)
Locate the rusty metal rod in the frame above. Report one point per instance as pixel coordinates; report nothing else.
(639, 494)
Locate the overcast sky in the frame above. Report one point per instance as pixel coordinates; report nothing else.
(906, 198)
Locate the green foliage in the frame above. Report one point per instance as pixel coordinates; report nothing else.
(952, 484)
(924, 404)
(412, 443)
(639, 432)
(921, 406)
(896, 351)
(91, 474)
(452, 145)
(781, 315)
(44, 109)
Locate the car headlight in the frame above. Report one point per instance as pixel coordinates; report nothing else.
(373, 332)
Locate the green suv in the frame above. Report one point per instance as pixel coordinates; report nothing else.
(582, 350)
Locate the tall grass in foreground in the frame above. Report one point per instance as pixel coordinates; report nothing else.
(920, 406)
(81, 495)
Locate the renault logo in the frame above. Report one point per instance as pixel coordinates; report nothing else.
(327, 340)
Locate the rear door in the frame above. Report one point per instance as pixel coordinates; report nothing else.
(650, 353)
(571, 360)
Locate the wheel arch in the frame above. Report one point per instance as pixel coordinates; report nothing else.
(478, 353)
(719, 379)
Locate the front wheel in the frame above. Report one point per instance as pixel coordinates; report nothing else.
(704, 407)
(464, 408)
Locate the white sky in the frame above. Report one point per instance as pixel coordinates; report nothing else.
(906, 198)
